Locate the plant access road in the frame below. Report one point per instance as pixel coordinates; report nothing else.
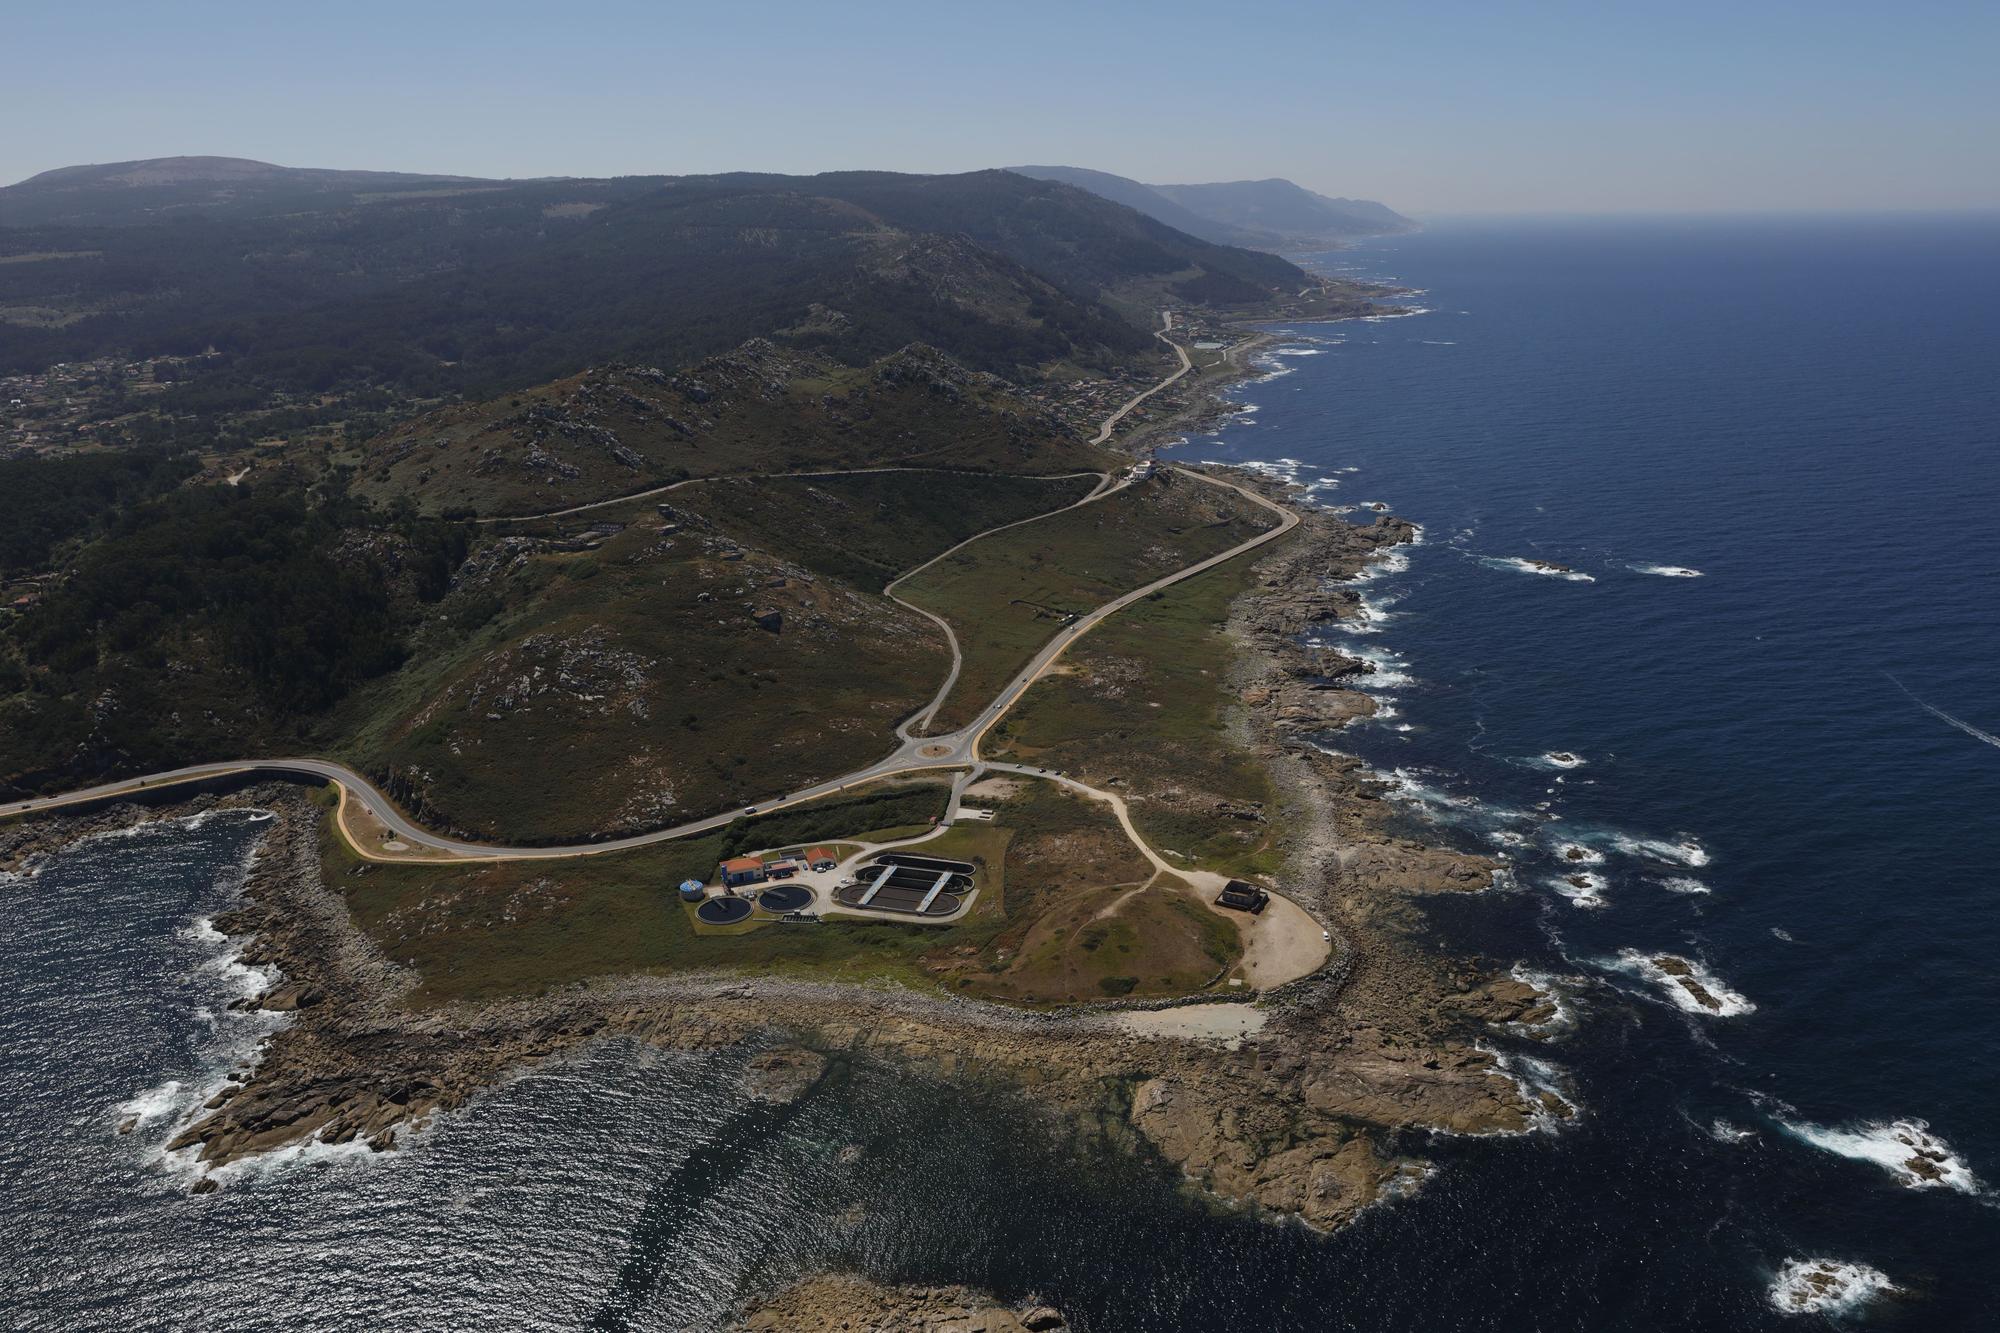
(957, 749)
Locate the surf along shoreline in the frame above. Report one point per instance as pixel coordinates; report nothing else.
(1300, 1117)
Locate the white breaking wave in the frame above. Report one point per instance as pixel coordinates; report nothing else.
(1826, 1286)
(1283, 469)
(1667, 571)
(1906, 1149)
(1553, 990)
(1722, 1131)
(1686, 852)
(1386, 669)
(203, 931)
(1560, 759)
(1542, 567)
(1683, 884)
(1685, 982)
(152, 1105)
(1394, 560)
(1535, 1079)
(1581, 887)
(1407, 786)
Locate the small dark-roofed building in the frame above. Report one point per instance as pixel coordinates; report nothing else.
(741, 870)
(1242, 897)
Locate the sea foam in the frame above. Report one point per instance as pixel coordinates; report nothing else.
(1686, 983)
(1686, 852)
(1666, 571)
(1826, 1286)
(1582, 887)
(1541, 567)
(1906, 1149)
(1539, 1083)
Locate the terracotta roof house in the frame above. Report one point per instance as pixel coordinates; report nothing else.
(739, 870)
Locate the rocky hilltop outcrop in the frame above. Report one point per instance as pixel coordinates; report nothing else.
(765, 406)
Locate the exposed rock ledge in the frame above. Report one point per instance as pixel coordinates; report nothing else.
(839, 1301)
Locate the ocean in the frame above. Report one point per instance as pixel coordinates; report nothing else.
(1743, 711)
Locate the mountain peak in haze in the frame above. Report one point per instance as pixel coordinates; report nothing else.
(1273, 214)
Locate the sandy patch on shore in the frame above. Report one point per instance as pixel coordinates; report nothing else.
(1198, 1022)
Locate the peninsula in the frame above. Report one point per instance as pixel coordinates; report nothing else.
(884, 698)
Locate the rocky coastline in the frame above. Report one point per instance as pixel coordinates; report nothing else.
(1300, 1119)
(842, 1301)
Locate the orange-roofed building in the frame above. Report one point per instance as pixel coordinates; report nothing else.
(739, 870)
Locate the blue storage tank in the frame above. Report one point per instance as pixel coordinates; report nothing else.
(691, 890)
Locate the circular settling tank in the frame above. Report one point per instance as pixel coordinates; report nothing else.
(785, 898)
(724, 911)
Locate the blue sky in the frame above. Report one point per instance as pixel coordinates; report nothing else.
(1436, 107)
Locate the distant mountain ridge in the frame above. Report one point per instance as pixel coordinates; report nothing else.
(1270, 214)
(305, 281)
(116, 193)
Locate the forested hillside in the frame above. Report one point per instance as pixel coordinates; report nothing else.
(479, 287)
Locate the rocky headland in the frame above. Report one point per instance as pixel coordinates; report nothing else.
(1300, 1118)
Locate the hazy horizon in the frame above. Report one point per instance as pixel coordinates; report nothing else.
(1459, 110)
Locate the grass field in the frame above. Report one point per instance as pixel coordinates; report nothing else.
(634, 687)
(867, 528)
(1086, 918)
(483, 929)
(1141, 701)
(616, 430)
(1045, 869)
(1007, 595)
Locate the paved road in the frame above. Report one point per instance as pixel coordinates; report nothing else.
(922, 718)
(1166, 327)
(958, 749)
(1104, 479)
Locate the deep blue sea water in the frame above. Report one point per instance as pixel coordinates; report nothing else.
(1804, 411)
(1808, 413)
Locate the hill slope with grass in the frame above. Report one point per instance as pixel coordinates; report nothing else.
(760, 408)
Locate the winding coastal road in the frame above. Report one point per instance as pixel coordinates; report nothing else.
(958, 749)
(1111, 422)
